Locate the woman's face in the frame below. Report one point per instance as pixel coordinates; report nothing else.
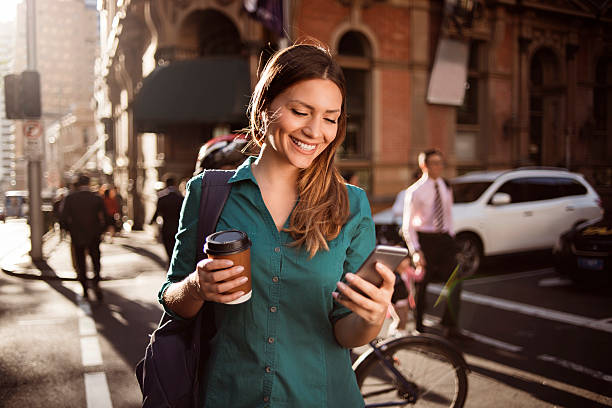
(304, 121)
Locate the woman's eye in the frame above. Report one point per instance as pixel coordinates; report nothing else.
(298, 113)
(331, 120)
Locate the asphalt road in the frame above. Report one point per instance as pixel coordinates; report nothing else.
(536, 340)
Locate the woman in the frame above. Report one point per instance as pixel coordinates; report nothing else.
(288, 345)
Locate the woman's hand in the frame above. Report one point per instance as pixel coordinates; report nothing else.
(372, 308)
(213, 278)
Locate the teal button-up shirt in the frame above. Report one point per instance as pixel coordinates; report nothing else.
(278, 349)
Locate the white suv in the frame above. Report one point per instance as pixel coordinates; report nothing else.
(500, 212)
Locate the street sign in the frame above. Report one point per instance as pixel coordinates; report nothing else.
(33, 140)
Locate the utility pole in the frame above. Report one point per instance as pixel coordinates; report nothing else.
(34, 139)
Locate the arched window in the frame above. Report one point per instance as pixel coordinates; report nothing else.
(355, 57)
(209, 32)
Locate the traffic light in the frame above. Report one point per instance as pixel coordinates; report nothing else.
(30, 94)
(12, 96)
(22, 95)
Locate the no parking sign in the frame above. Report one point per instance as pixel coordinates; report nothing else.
(33, 132)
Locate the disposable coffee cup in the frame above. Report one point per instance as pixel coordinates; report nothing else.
(236, 246)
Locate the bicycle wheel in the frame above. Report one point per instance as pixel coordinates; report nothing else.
(438, 372)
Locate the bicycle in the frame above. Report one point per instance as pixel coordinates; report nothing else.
(422, 370)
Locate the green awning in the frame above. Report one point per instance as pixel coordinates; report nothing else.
(199, 91)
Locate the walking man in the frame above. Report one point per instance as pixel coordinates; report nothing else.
(428, 230)
(83, 215)
(169, 205)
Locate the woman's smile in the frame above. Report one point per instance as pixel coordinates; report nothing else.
(306, 147)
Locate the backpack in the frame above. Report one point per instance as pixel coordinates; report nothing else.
(169, 373)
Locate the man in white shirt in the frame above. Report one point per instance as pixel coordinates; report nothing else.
(428, 230)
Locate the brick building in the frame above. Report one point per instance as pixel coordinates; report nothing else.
(538, 77)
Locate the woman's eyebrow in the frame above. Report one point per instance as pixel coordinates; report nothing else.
(312, 107)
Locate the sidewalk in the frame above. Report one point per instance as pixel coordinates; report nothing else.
(129, 255)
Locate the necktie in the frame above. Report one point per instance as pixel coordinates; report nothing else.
(438, 211)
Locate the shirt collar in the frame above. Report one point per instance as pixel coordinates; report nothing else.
(244, 171)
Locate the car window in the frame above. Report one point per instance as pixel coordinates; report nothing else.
(541, 188)
(571, 187)
(467, 192)
(515, 189)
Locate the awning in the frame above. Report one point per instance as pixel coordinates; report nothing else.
(200, 91)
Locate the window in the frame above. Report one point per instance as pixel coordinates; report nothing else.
(469, 192)
(571, 187)
(355, 58)
(468, 112)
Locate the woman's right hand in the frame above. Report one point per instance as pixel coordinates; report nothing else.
(213, 278)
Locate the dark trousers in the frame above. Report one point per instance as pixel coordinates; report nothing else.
(169, 239)
(81, 267)
(440, 253)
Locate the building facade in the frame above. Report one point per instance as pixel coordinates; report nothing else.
(537, 78)
(66, 49)
(8, 175)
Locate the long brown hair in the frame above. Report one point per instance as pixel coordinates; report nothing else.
(323, 205)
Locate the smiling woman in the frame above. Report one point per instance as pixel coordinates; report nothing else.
(310, 231)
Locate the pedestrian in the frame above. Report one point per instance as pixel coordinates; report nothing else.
(111, 211)
(427, 228)
(289, 344)
(169, 204)
(83, 215)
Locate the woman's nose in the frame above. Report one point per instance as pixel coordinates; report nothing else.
(313, 128)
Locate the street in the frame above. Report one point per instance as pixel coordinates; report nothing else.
(536, 339)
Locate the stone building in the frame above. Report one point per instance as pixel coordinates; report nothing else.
(66, 49)
(538, 77)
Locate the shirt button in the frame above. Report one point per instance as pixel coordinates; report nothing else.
(273, 309)
(270, 340)
(277, 249)
(268, 370)
(275, 279)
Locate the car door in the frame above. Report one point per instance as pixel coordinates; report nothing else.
(528, 221)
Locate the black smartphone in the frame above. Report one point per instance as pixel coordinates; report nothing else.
(390, 256)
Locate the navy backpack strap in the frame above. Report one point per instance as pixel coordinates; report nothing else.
(215, 191)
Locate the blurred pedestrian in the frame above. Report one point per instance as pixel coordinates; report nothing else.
(169, 204)
(58, 204)
(428, 230)
(111, 211)
(288, 344)
(83, 214)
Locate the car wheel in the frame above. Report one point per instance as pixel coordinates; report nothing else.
(469, 253)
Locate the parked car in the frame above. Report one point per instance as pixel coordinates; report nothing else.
(584, 253)
(524, 209)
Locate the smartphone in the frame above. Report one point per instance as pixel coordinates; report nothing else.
(390, 256)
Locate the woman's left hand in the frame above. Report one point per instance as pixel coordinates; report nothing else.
(372, 308)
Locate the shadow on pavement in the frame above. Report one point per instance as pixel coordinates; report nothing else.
(148, 254)
(544, 392)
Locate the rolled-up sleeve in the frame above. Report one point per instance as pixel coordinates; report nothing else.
(183, 260)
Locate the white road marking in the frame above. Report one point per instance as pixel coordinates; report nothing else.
(492, 342)
(554, 282)
(576, 367)
(510, 276)
(96, 391)
(87, 326)
(530, 310)
(90, 351)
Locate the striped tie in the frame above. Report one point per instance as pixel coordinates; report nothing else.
(438, 211)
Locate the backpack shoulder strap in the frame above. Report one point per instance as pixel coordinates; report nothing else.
(215, 191)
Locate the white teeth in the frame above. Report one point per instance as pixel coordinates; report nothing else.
(303, 145)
